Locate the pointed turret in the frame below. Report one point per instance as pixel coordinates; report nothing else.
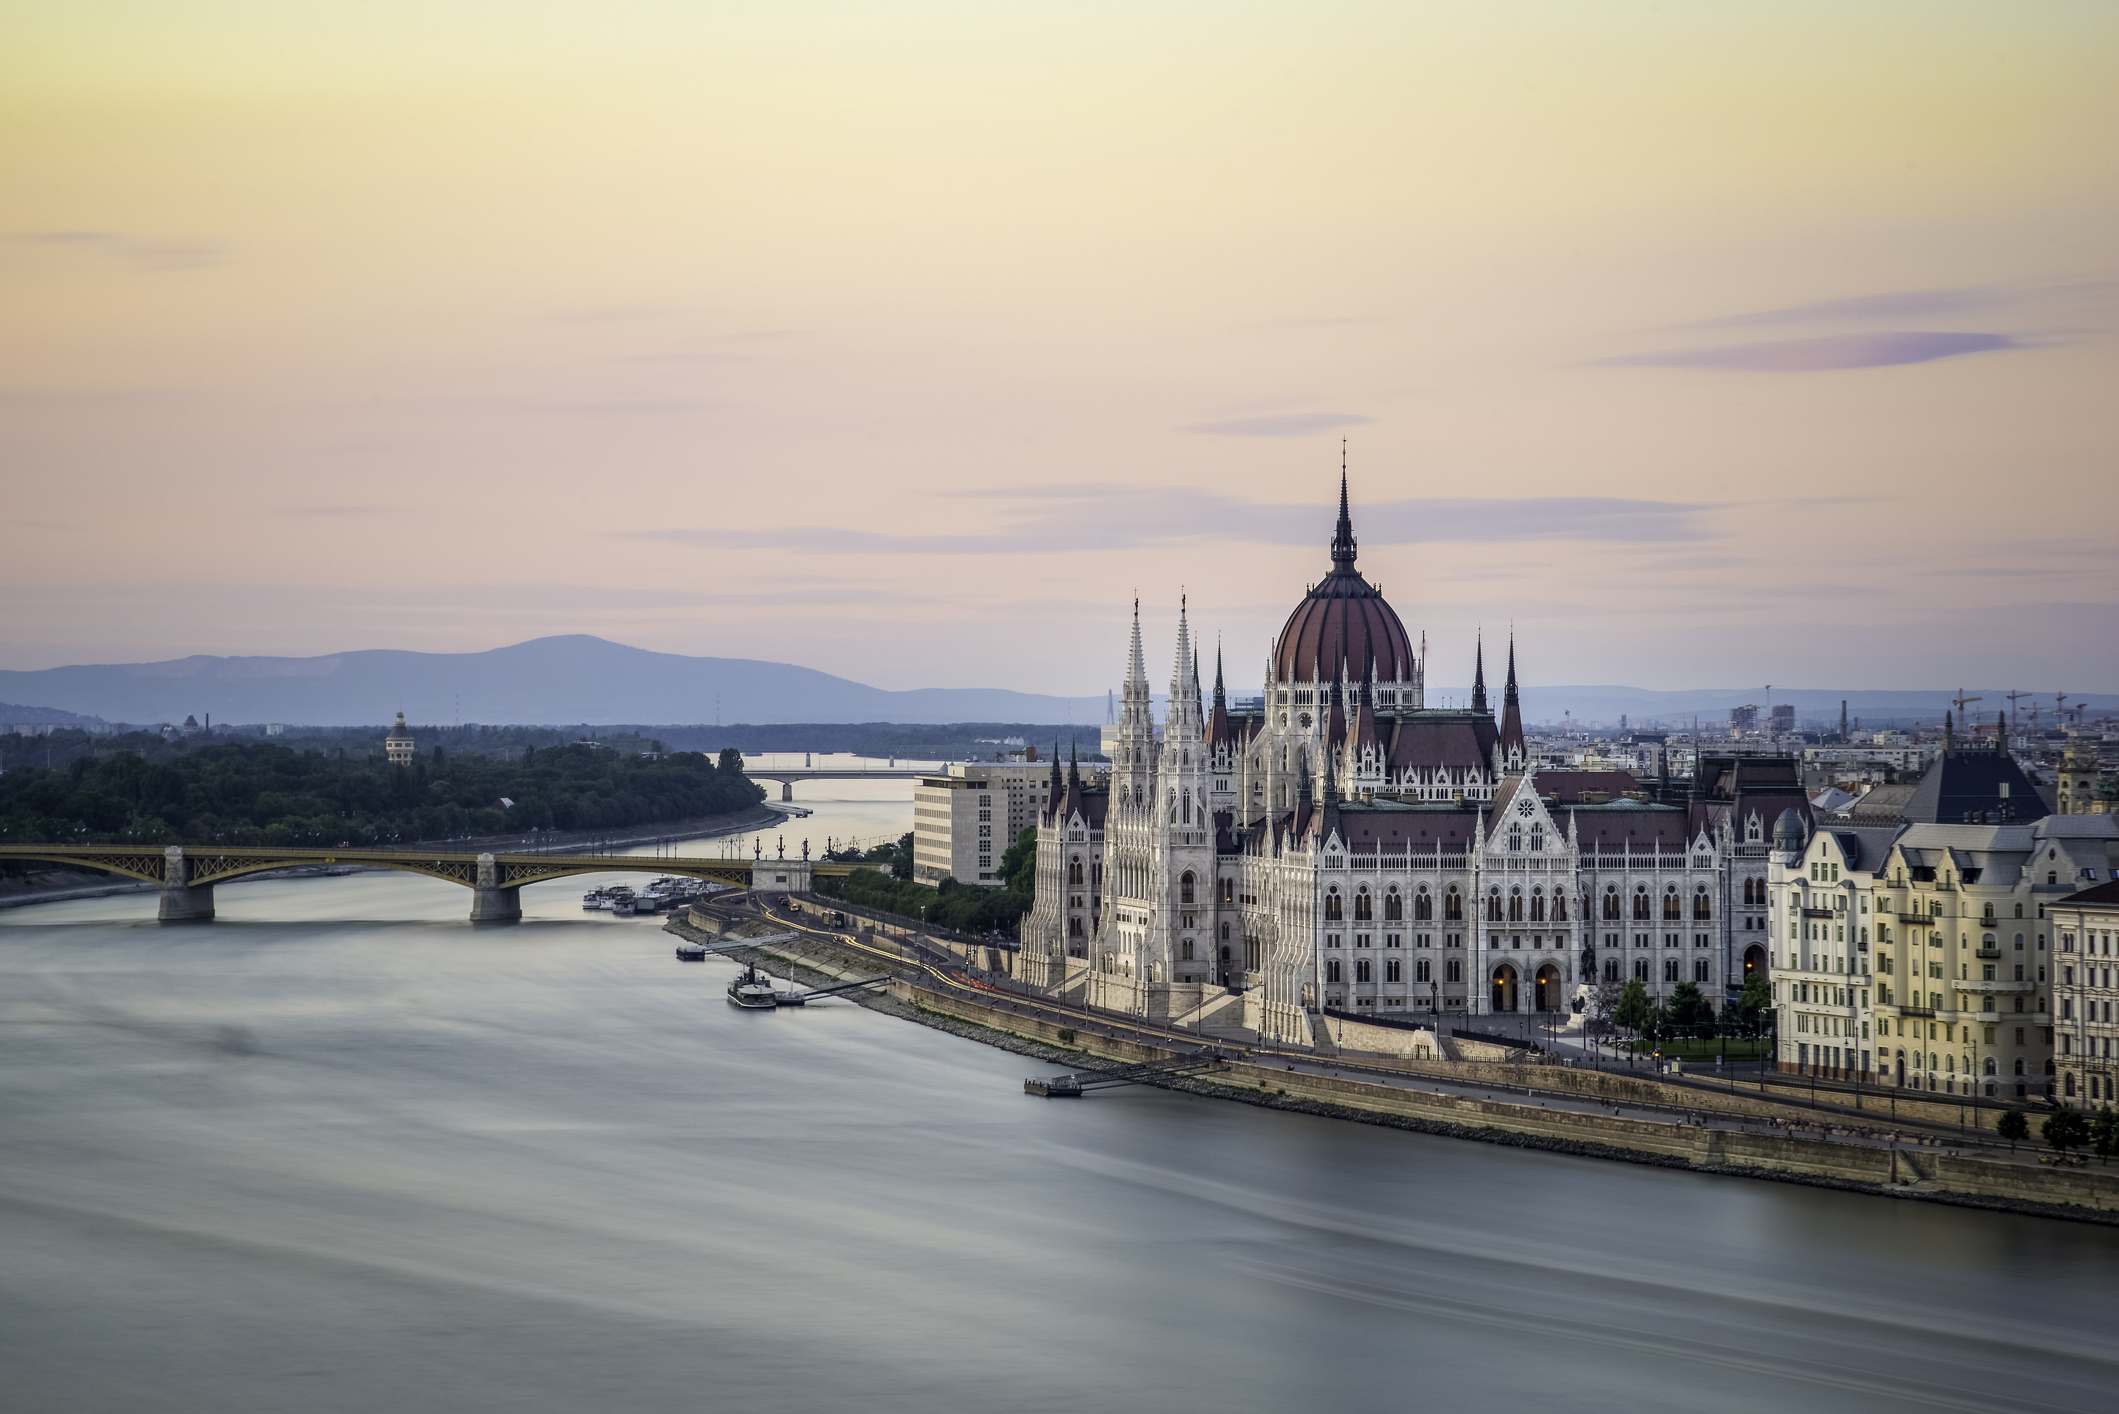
(1219, 727)
(1074, 769)
(1136, 667)
(1479, 677)
(1056, 787)
(1343, 534)
(1511, 709)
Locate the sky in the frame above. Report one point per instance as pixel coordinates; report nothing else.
(1703, 344)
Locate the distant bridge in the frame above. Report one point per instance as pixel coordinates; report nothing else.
(187, 873)
(788, 775)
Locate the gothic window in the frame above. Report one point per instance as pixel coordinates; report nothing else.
(1420, 970)
(1362, 969)
(1364, 907)
(1331, 969)
(1225, 932)
(1393, 907)
(1096, 876)
(1702, 910)
(1493, 905)
(1188, 950)
(1751, 829)
(1074, 872)
(1699, 970)
(1515, 839)
(1559, 908)
(1537, 905)
(1074, 927)
(1456, 970)
(1640, 904)
(1453, 906)
(1515, 905)
(1537, 839)
(1423, 906)
(1611, 903)
(1391, 972)
(1332, 906)
(1184, 888)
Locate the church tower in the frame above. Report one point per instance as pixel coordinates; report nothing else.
(1184, 837)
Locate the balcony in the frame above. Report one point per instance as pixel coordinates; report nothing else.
(1985, 952)
(1997, 986)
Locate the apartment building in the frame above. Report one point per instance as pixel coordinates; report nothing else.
(2083, 996)
(964, 819)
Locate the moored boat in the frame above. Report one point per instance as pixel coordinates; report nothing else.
(752, 991)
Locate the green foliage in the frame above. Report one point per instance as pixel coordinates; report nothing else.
(2104, 1132)
(1634, 1011)
(1019, 863)
(261, 794)
(2012, 1127)
(1753, 1003)
(1691, 1013)
(2066, 1130)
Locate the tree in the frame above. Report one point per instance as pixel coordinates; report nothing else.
(1019, 863)
(1634, 1010)
(1753, 1002)
(902, 865)
(1691, 1013)
(2012, 1127)
(2104, 1133)
(2066, 1130)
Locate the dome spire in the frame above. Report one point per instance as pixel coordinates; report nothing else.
(1343, 535)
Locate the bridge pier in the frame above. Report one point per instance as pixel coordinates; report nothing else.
(787, 790)
(182, 901)
(490, 903)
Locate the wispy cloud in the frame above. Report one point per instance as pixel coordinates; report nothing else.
(1896, 305)
(143, 254)
(1301, 424)
(1835, 352)
(1073, 517)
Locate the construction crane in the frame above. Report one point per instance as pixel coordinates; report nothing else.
(2059, 707)
(2012, 709)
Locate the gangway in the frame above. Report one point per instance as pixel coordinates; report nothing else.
(1079, 1083)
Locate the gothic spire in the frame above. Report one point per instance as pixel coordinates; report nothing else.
(1343, 534)
(1136, 669)
(1508, 694)
(1184, 655)
(1221, 697)
(1055, 773)
(1479, 677)
(1511, 709)
(1074, 769)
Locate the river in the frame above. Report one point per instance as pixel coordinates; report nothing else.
(339, 1151)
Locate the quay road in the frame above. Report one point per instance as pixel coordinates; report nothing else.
(922, 962)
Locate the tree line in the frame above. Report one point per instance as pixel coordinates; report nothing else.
(966, 908)
(257, 793)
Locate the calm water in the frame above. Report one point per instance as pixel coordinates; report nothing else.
(340, 1152)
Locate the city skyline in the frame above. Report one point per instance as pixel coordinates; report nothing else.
(1704, 348)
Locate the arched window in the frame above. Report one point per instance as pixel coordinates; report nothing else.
(1537, 905)
(1453, 906)
(1332, 906)
(1611, 903)
(1364, 906)
(1074, 871)
(1393, 907)
(1515, 905)
(1671, 912)
(1184, 888)
(1225, 932)
(1537, 839)
(1188, 950)
(1515, 838)
(1701, 909)
(1493, 905)
(1640, 904)
(1420, 970)
(1990, 1069)
(1559, 907)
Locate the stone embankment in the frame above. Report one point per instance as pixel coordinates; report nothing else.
(1923, 1169)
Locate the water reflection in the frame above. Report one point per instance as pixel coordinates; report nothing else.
(342, 1151)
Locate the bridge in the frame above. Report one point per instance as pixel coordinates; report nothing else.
(788, 775)
(188, 873)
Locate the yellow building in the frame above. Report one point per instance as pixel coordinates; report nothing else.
(2078, 780)
(398, 746)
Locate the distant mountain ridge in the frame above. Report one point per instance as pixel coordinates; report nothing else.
(577, 679)
(557, 681)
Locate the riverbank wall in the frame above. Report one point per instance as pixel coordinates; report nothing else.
(1900, 1171)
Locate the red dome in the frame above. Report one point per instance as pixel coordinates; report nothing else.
(1343, 620)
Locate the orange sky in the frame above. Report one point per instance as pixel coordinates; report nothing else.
(1709, 345)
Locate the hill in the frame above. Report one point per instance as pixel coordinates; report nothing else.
(546, 681)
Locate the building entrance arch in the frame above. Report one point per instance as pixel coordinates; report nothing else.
(1548, 988)
(1754, 962)
(1504, 988)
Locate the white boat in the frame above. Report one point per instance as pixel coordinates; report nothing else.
(752, 990)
